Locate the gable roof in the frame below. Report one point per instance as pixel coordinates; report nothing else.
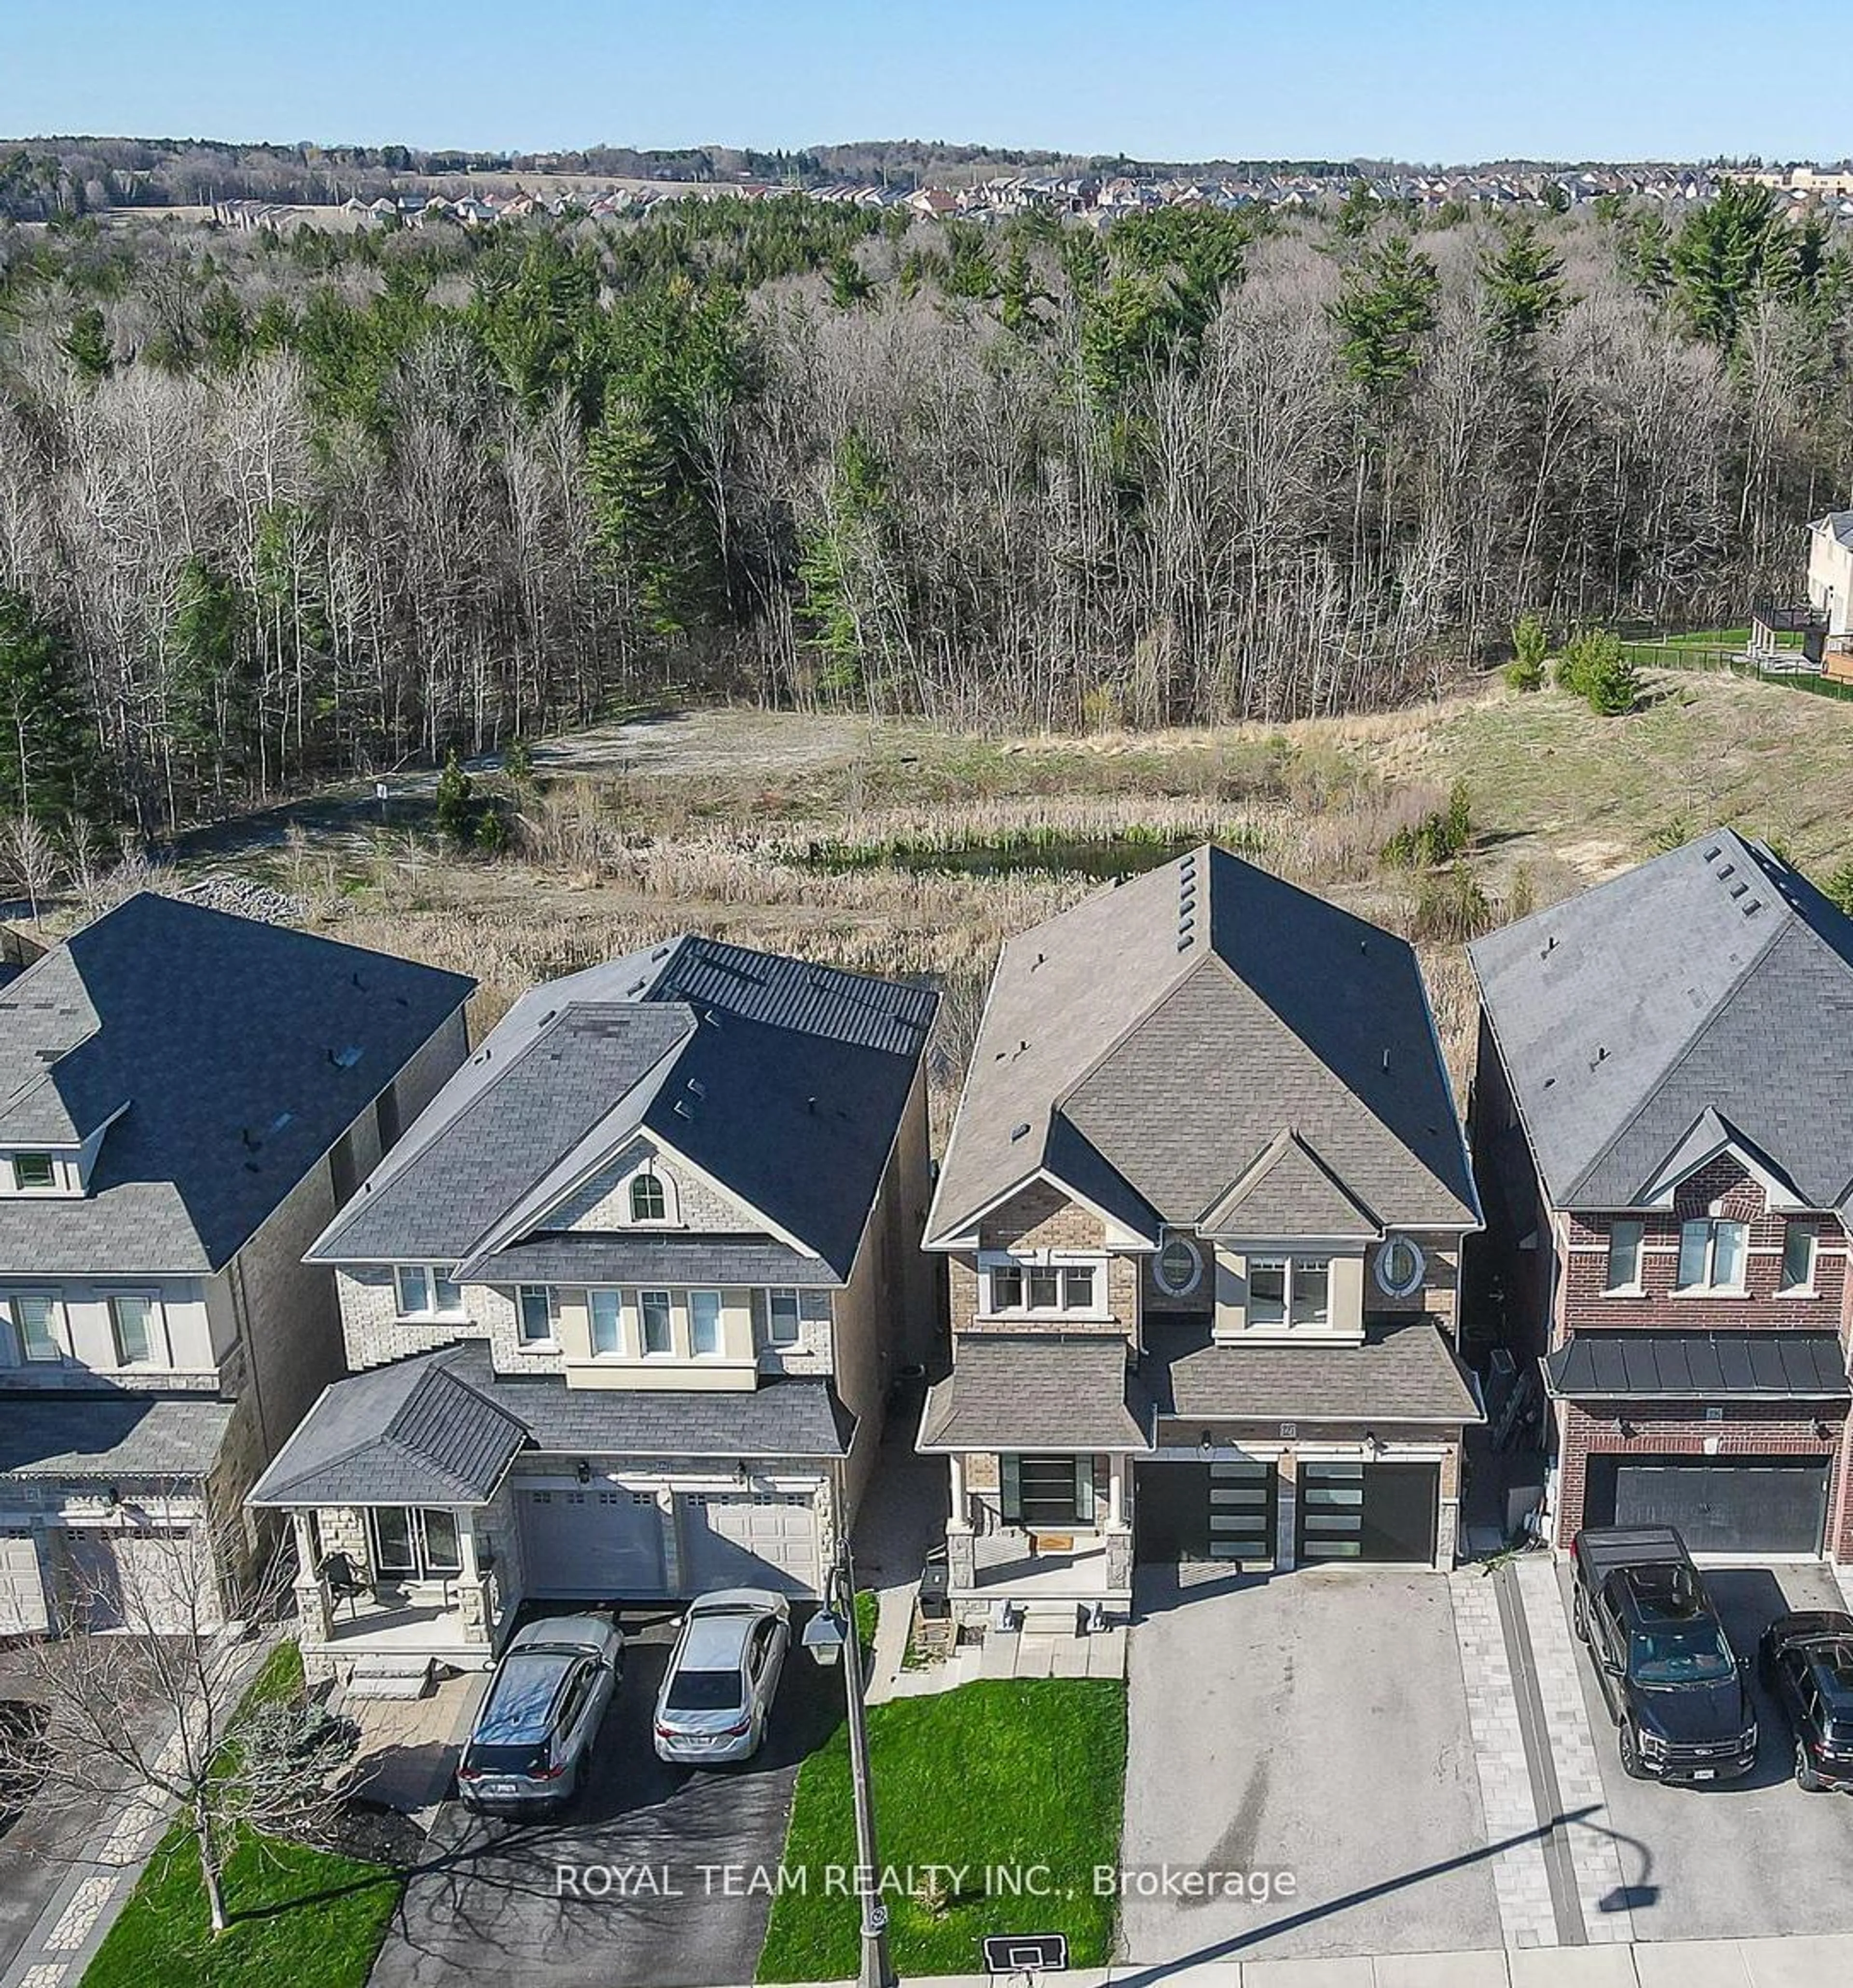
(782, 1081)
(1165, 1032)
(1714, 980)
(1290, 1191)
(224, 1056)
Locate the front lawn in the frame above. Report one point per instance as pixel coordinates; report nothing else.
(1025, 1778)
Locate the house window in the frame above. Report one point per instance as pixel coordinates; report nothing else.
(34, 1173)
(1178, 1268)
(1798, 1257)
(648, 1201)
(537, 1315)
(1047, 1290)
(1711, 1255)
(785, 1318)
(34, 1321)
(704, 1324)
(425, 1291)
(134, 1325)
(1624, 1256)
(1289, 1293)
(1042, 1491)
(1400, 1268)
(415, 1542)
(653, 1313)
(606, 1310)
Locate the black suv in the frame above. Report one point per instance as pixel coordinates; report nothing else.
(1807, 1662)
(1677, 1692)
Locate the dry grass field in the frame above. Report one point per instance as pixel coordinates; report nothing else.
(914, 854)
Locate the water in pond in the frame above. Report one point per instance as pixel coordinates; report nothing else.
(1117, 855)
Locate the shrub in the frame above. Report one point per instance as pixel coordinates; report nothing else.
(1530, 645)
(1839, 888)
(1452, 908)
(1595, 667)
(1437, 838)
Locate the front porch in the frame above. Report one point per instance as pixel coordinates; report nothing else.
(1011, 1566)
(388, 1625)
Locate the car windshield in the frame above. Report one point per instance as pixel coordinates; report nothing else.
(704, 1691)
(1679, 1653)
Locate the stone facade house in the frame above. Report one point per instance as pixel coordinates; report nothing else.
(1203, 1203)
(185, 1099)
(622, 1309)
(1662, 1120)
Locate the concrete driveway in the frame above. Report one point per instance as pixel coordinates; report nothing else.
(1735, 1858)
(496, 1902)
(1312, 1723)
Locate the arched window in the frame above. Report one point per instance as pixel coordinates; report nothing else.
(649, 1201)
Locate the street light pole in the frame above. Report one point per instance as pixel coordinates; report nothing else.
(877, 1969)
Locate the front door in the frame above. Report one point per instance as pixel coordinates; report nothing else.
(1048, 1493)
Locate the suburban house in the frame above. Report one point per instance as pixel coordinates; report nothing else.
(185, 1098)
(1829, 588)
(622, 1308)
(1203, 1203)
(1662, 1120)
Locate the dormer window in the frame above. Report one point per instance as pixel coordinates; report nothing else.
(33, 1172)
(649, 1200)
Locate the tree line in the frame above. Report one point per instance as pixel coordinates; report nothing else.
(275, 509)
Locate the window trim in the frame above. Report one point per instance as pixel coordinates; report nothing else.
(34, 1190)
(1049, 1262)
(1285, 1325)
(57, 1327)
(433, 1275)
(160, 1344)
(650, 1169)
(550, 1296)
(645, 1349)
(643, 1178)
(1710, 1288)
(718, 1350)
(774, 1293)
(1418, 1256)
(616, 1294)
(1807, 1287)
(1178, 1238)
(1634, 1287)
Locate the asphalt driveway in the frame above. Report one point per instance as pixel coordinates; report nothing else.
(615, 1894)
(1311, 1723)
(1732, 1859)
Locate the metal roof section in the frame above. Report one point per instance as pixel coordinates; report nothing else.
(1650, 1366)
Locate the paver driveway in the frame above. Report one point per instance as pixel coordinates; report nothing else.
(1315, 1723)
(489, 1908)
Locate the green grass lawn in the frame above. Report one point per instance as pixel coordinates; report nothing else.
(299, 1918)
(1024, 1776)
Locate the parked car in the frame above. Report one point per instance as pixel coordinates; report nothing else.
(723, 1675)
(1677, 1693)
(528, 1750)
(1807, 1662)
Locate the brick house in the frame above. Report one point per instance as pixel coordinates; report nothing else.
(185, 1098)
(1203, 1206)
(1662, 1123)
(622, 1309)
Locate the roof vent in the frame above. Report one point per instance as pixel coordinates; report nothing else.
(680, 1107)
(1737, 889)
(1386, 1057)
(695, 1087)
(1727, 869)
(1038, 960)
(358, 981)
(1019, 1132)
(1601, 1056)
(252, 1142)
(345, 1059)
(1713, 853)
(548, 1017)
(1751, 906)
(636, 988)
(1183, 942)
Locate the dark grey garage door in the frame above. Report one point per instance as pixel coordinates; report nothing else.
(1368, 1511)
(1220, 1510)
(1751, 1504)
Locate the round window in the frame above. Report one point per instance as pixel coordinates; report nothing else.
(1178, 1267)
(1400, 1266)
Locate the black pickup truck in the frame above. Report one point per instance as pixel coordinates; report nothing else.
(1677, 1693)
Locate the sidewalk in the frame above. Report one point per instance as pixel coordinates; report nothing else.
(1726, 1964)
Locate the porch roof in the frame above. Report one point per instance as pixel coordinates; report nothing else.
(1028, 1392)
(1403, 1371)
(121, 1435)
(1699, 1366)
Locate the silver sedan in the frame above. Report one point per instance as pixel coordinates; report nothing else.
(723, 1675)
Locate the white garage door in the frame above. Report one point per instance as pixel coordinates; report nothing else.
(595, 1544)
(158, 1581)
(22, 1610)
(766, 1539)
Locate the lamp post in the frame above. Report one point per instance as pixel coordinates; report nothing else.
(831, 1633)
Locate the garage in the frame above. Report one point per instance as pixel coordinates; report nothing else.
(156, 1580)
(1734, 1505)
(760, 1538)
(1377, 1512)
(592, 1542)
(1222, 1510)
(22, 1609)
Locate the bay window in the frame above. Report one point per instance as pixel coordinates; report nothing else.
(1711, 1255)
(415, 1542)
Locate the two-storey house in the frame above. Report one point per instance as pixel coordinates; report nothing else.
(185, 1098)
(1203, 1203)
(1663, 1118)
(622, 1307)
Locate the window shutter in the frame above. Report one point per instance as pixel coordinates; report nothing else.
(1084, 1490)
(1010, 1479)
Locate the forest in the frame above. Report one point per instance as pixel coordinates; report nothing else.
(277, 509)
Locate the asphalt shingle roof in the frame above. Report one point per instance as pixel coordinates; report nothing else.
(1168, 1031)
(127, 1435)
(1035, 1390)
(1402, 1372)
(577, 1256)
(236, 1053)
(1713, 979)
(442, 1428)
(783, 1081)
(1699, 1366)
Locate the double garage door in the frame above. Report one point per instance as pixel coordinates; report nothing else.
(607, 1544)
(1735, 1505)
(1228, 1510)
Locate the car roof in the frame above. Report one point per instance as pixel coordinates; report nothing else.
(762, 1599)
(715, 1639)
(584, 1635)
(1825, 1637)
(522, 1697)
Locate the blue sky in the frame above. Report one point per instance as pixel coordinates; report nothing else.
(1441, 80)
